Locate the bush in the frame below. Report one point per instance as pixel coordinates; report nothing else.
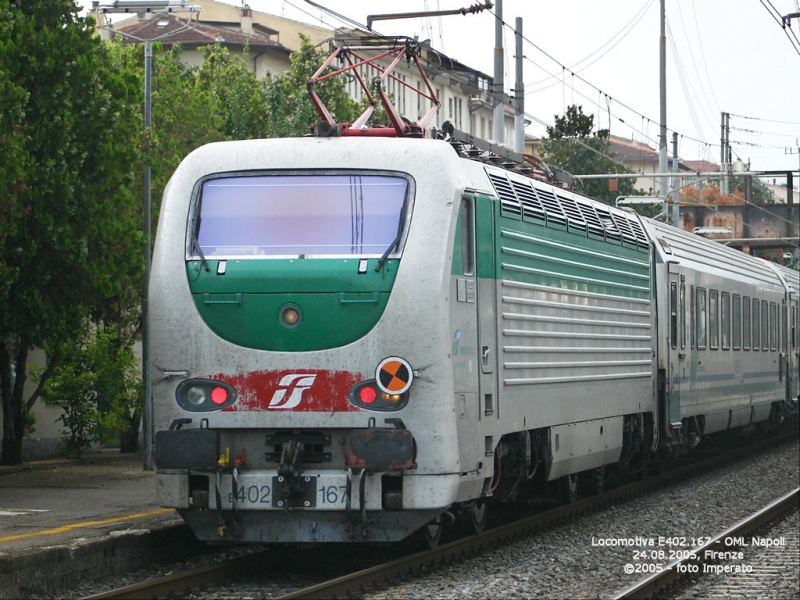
(98, 388)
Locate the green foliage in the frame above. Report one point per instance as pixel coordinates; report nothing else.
(97, 387)
(70, 246)
(239, 96)
(572, 146)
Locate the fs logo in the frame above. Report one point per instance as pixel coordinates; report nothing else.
(294, 384)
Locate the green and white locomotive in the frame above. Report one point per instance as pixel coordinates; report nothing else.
(355, 338)
(369, 333)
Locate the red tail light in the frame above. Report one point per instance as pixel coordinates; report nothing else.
(219, 395)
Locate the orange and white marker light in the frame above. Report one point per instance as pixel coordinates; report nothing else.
(394, 375)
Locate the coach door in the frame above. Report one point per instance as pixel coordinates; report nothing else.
(792, 346)
(676, 341)
(487, 307)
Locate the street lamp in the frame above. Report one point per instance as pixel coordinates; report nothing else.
(141, 8)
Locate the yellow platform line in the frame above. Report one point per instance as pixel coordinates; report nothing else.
(64, 528)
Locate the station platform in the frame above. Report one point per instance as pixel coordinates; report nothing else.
(62, 521)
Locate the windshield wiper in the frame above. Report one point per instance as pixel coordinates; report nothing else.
(391, 247)
(196, 244)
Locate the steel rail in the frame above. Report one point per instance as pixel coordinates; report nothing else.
(704, 554)
(169, 585)
(409, 566)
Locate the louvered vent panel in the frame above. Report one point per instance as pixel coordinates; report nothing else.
(639, 232)
(570, 208)
(508, 200)
(608, 223)
(530, 204)
(624, 226)
(551, 205)
(590, 216)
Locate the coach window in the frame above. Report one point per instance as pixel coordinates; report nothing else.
(700, 325)
(737, 322)
(773, 326)
(691, 317)
(673, 314)
(764, 325)
(746, 323)
(794, 327)
(467, 237)
(725, 320)
(682, 313)
(783, 317)
(713, 319)
(756, 325)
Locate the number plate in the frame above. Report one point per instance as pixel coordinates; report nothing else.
(263, 491)
(300, 492)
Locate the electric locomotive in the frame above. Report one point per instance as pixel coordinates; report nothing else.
(357, 337)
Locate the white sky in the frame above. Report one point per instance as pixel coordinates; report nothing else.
(733, 57)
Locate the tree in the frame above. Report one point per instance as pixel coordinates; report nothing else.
(72, 248)
(571, 145)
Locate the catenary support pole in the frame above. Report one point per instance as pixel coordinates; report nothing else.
(676, 195)
(147, 409)
(662, 86)
(499, 84)
(519, 92)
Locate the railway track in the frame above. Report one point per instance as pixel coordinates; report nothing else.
(710, 557)
(410, 566)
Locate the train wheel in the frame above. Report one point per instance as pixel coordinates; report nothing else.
(476, 518)
(568, 488)
(430, 534)
(597, 480)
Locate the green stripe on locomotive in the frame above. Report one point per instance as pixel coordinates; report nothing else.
(337, 304)
(557, 256)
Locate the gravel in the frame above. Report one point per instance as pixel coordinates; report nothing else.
(564, 563)
(583, 559)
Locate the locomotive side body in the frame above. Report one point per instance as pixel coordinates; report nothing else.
(565, 355)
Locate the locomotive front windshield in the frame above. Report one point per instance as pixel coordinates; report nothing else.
(300, 215)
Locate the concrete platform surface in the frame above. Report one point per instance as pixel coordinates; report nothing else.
(64, 520)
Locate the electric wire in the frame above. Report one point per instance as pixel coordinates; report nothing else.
(790, 34)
